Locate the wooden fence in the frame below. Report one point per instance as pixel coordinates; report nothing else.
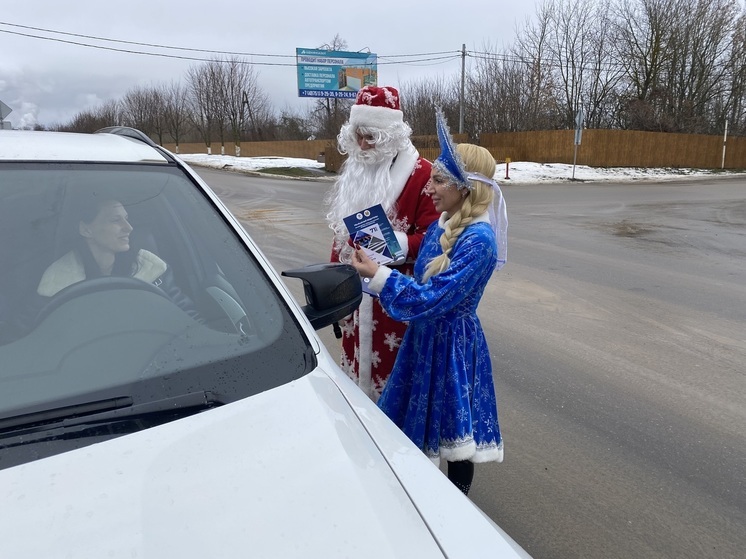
(619, 148)
(598, 148)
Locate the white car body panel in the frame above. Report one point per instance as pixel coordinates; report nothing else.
(289, 469)
(462, 529)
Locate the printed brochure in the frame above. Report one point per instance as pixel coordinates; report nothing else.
(372, 230)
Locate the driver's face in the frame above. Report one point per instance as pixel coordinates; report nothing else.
(110, 229)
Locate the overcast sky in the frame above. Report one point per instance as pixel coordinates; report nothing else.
(49, 81)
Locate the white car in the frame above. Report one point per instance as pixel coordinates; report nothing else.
(192, 414)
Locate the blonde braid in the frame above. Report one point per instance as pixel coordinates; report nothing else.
(477, 201)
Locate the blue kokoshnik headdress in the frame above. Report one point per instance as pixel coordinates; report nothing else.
(450, 164)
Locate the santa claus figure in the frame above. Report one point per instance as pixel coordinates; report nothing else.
(382, 167)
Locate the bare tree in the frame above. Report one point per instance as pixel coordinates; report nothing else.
(158, 111)
(175, 111)
(419, 99)
(259, 117)
(602, 84)
(568, 45)
(237, 79)
(698, 66)
(201, 102)
(539, 105)
(293, 125)
(88, 121)
(642, 49)
(218, 98)
(497, 87)
(138, 110)
(733, 103)
(676, 59)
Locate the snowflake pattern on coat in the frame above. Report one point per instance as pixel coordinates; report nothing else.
(370, 334)
(441, 392)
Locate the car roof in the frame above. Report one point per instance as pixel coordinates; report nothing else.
(112, 145)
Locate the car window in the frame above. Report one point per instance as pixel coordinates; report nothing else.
(211, 321)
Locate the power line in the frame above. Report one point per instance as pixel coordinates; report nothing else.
(430, 58)
(129, 51)
(129, 42)
(552, 63)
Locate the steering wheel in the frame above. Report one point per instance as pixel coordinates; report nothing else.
(86, 287)
(232, 309)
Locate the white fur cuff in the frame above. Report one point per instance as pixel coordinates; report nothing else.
(379, 280)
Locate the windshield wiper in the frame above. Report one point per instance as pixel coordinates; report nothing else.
(54, 414)
(48, 423)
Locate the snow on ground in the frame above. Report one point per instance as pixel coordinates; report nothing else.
(518, 172)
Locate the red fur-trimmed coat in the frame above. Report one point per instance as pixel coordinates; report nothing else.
(370, 338)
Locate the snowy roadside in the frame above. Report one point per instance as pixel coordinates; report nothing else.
(518, 172)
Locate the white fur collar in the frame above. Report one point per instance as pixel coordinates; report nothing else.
(402, 168)
(69, 269)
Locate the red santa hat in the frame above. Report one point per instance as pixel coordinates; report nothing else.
(376, 107)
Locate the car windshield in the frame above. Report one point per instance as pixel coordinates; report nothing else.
(151, 295)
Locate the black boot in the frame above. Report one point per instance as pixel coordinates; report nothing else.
(461, 474)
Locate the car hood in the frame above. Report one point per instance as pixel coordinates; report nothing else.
(287, 473)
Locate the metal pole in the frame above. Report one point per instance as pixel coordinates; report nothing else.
(574, 159)
(461, 99)
(725, 137)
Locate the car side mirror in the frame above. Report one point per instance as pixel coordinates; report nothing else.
(333, 291)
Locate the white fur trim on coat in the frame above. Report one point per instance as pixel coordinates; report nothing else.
(379, 279)
(403, 167)
(365, 347)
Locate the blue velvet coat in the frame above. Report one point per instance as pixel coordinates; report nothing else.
(441, 392)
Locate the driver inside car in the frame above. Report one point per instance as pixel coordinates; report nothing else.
(103, 249)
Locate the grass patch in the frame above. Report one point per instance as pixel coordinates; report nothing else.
(288, 171)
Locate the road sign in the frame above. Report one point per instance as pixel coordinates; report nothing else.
(5, 110)
(579, 126)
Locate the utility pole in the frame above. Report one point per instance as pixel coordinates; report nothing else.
(461, 97)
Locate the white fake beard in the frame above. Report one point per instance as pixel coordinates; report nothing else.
(364, 180)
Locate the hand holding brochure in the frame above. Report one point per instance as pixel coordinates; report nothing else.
(372, 230)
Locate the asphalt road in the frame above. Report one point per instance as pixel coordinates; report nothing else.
(618, 338)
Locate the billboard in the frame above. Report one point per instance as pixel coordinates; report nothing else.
(334, 73)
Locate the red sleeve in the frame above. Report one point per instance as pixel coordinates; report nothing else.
(418, 207)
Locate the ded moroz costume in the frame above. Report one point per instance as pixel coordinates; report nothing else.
(395, 177)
